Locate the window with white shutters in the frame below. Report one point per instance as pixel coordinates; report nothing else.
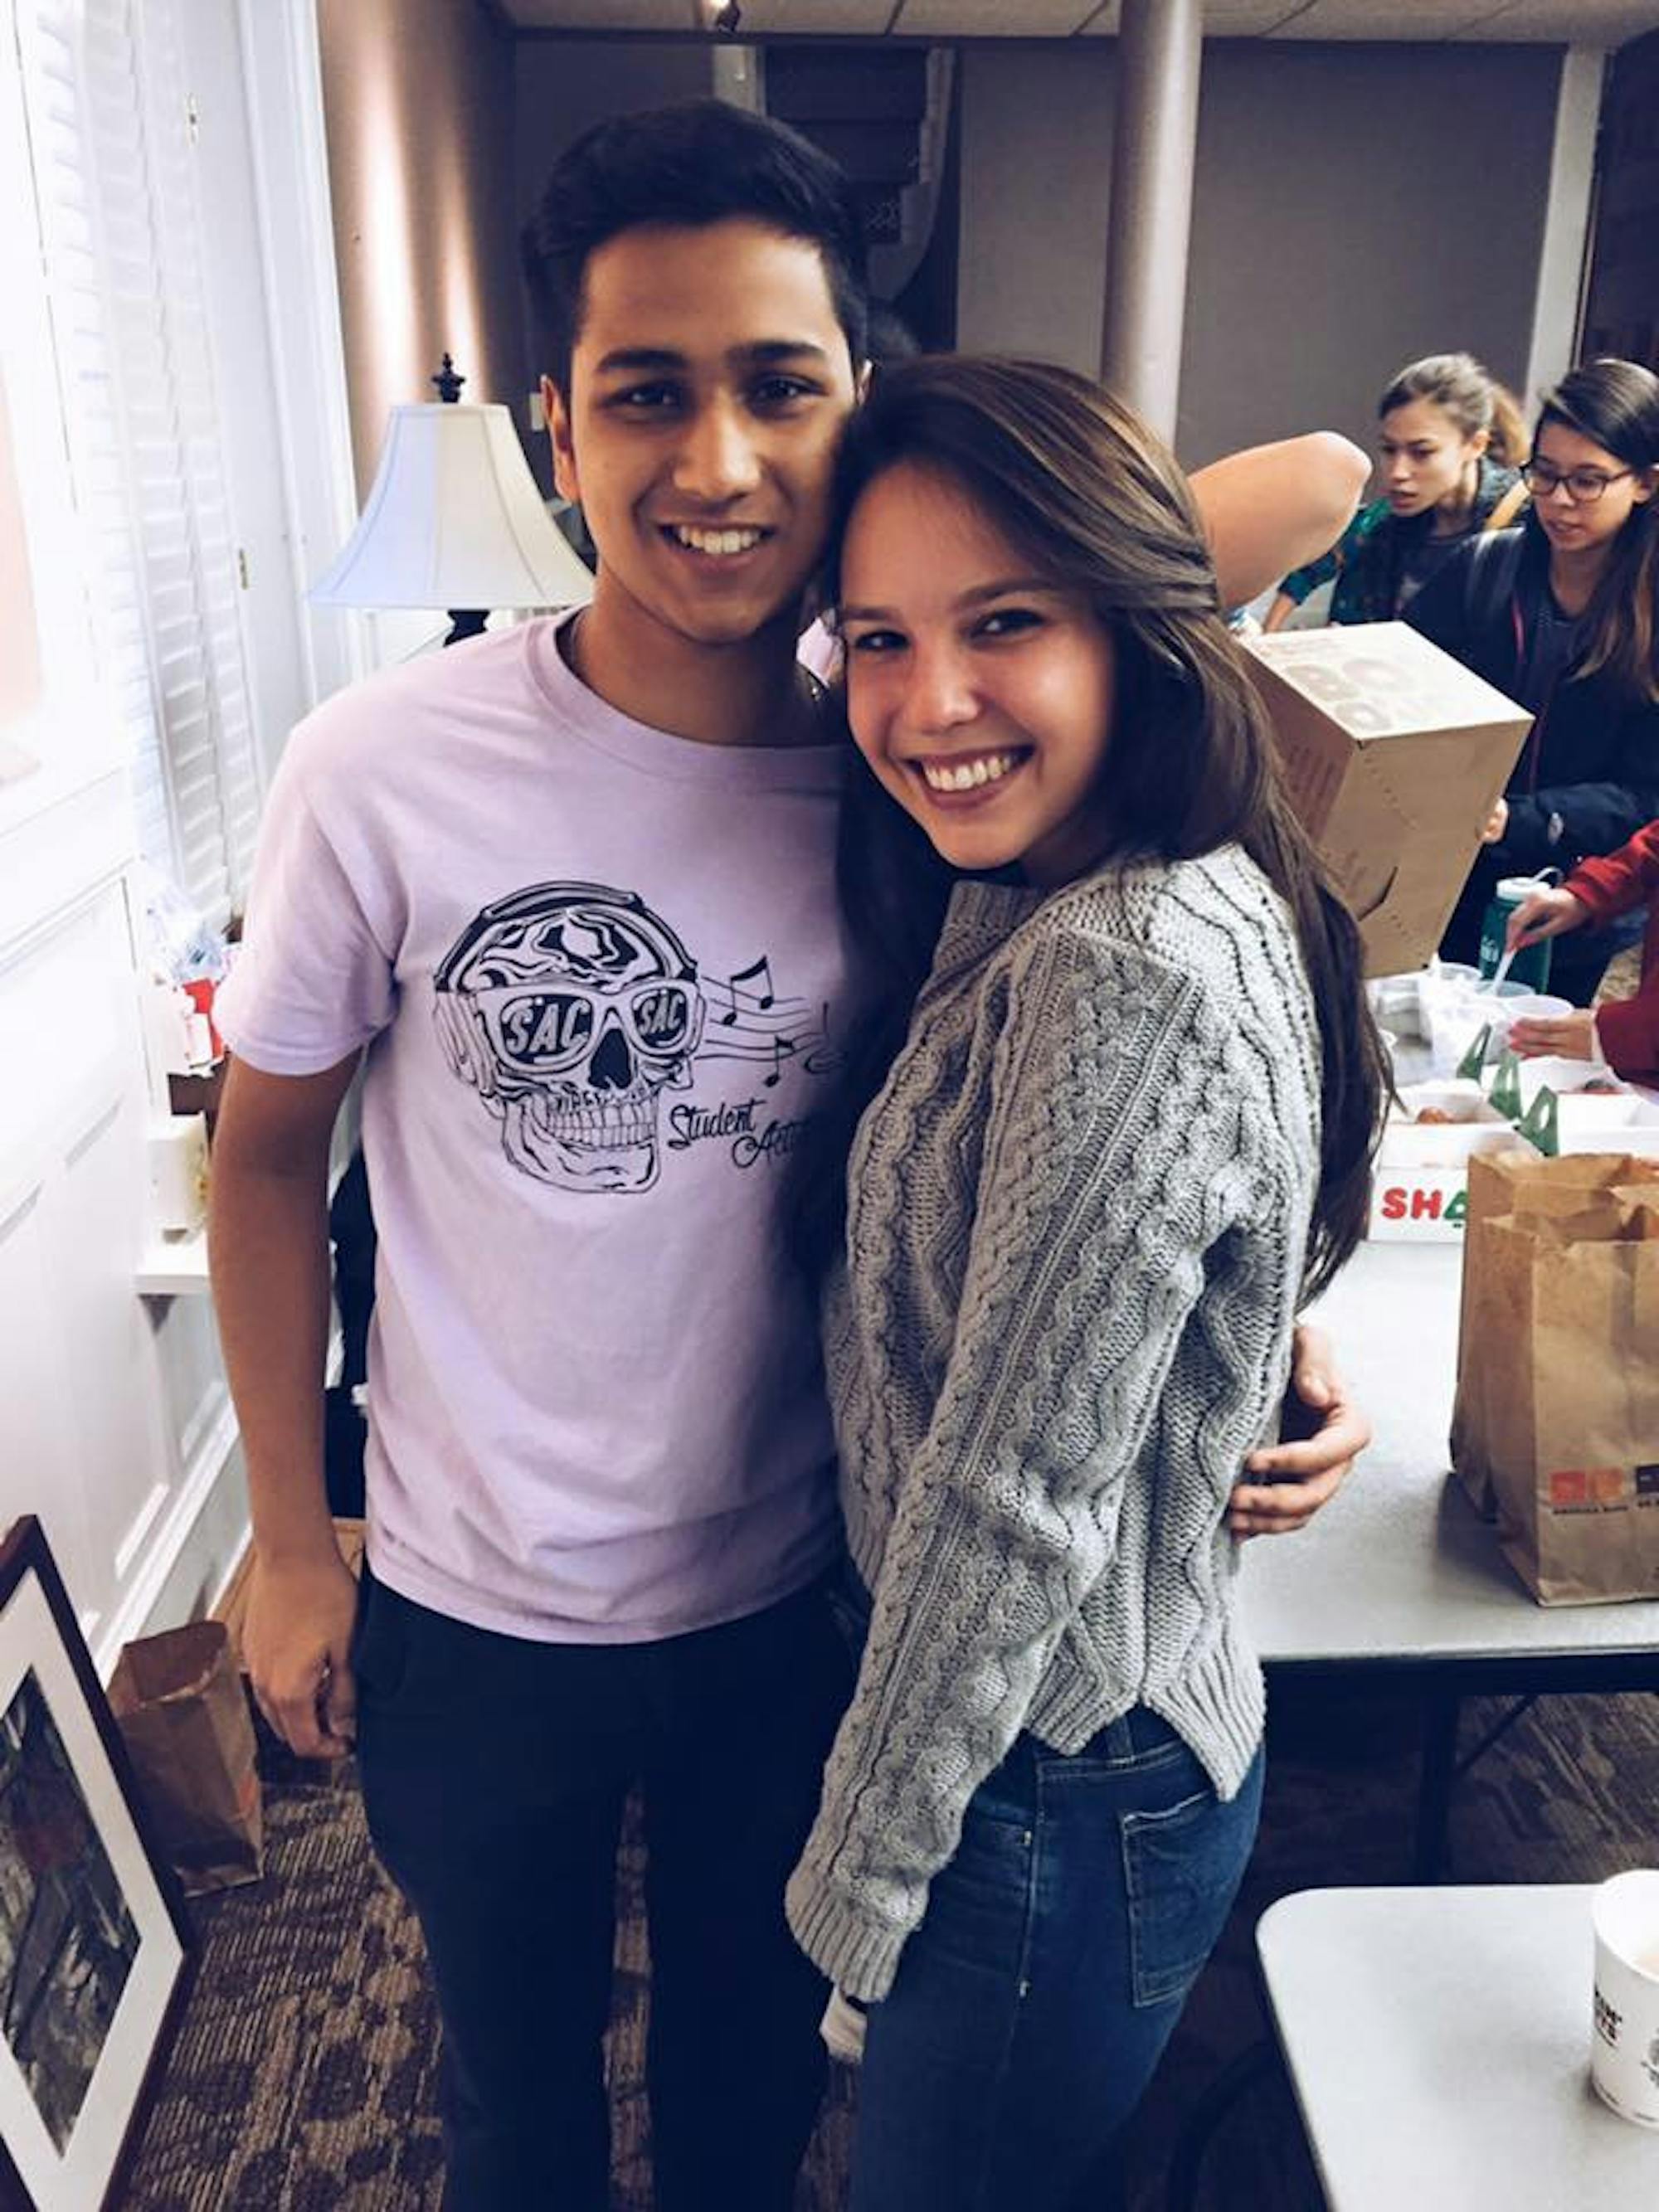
(111, 135)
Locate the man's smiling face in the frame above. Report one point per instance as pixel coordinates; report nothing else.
(709, 383)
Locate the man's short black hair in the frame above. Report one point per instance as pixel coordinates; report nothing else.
(700, 162)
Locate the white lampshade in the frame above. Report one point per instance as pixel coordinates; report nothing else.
(454, 520)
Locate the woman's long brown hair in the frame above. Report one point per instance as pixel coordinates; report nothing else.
(1615, 404)
(1074, 480)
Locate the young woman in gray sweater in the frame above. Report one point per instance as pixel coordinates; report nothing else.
(1115, 1135)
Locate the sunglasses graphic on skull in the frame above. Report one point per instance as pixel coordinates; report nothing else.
(570, 1008)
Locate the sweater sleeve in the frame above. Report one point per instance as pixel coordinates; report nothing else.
(1615, 882)
(1103, 1186)
(1628, 1030)
(1303, 582)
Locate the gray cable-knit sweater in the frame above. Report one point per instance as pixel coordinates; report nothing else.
(1079, 1217)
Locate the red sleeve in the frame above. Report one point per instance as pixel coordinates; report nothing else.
(1629, 1030)
(1612, 885)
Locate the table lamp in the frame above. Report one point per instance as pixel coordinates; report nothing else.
(453, 520)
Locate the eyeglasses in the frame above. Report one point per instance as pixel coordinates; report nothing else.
(1583, 486)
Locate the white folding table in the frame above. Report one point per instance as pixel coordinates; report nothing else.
(1438, 2041)
(1398, 1578)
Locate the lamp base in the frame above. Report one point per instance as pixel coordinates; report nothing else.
(465, 622)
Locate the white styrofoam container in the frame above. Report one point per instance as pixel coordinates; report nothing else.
(1625, 1118)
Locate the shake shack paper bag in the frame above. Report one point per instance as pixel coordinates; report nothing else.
(1556, 1425)
(1516, 1181)
(179, 1702)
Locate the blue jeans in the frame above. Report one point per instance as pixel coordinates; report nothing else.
(1033, 2003)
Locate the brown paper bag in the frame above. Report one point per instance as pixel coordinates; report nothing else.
(1556, 1425)
(179, 1702)
(1520, 1182)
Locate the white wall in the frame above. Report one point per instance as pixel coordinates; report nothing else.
(1356, 205)
(1037, 188)
(79, 1376)
(87, 1442)
(115, 1426)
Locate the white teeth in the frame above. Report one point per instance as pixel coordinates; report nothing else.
(964, 775)
(721, 543)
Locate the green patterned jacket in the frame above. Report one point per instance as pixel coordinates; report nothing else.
(1368, 562)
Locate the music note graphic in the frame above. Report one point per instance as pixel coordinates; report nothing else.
(824, 1056)
(781, 1049)
(760, 999)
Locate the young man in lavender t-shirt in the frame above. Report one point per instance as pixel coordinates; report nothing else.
(570, 888)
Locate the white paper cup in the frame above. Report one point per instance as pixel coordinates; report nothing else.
(1538, 1006)
(1455, 1014)
(1527, 1006)
(1624, 2033)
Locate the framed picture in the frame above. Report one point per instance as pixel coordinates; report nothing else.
(94, 1948)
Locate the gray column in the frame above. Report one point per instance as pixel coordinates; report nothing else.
(1568, 213)
(1159, 51)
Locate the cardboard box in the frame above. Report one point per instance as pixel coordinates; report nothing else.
(1420, 1188)
(1392, 754)
(1418, 1206)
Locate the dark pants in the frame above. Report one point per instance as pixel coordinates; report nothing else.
(494, 1771)
(1056, 1953)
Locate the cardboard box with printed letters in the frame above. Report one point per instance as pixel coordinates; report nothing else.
(1419, 1186)
(1393, 754)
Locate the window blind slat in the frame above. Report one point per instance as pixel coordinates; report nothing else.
(121, 232)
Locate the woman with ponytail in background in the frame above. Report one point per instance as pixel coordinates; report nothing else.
(1451, 446)
(1563, 616)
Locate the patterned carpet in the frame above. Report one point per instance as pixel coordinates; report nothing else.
(304, 2079)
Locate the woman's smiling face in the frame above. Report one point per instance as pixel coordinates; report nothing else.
(979, 691)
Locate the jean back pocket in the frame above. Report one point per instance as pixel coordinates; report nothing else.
(1182, 1867)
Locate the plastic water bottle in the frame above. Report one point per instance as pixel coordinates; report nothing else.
(1531, 966)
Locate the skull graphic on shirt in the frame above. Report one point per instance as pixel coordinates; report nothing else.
(570, 1008)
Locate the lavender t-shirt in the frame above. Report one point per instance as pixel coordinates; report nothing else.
(603, 980)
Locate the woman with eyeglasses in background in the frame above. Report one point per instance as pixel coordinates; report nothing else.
(1563, 615)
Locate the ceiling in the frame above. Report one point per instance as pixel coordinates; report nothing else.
(1576, 22)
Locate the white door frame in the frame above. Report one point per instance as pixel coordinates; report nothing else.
(283, 70)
